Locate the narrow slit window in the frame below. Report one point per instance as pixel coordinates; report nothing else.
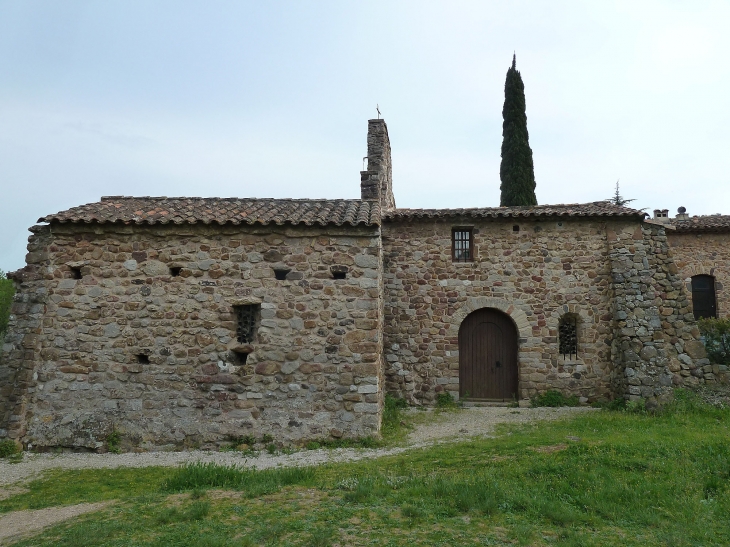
(246, 322)
(462, 245)
(568, 337)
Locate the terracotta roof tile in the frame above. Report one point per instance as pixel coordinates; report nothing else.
(164, 210)
(706, 223)
(595, 209)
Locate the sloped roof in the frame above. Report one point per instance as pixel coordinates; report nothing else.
(595, 209)
(164, 210)
(706, 223)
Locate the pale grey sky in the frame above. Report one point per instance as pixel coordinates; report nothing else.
(271, 99)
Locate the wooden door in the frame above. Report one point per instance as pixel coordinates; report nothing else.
(703, 296)
(488, 356)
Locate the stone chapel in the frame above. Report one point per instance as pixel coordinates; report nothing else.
(187, 322)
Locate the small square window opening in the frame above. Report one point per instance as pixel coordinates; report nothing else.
(462, 245)
(239, 358)
(143, 358)
(515, 228)
(76, 273)
(175, 271)
(339, 271)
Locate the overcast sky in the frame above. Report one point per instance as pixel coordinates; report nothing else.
(271, 99)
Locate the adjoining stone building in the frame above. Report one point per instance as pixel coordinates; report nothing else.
(701, 249)
(185, 322)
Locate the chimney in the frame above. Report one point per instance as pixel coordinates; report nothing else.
(661, 215)
(682, 214)
(376, 183)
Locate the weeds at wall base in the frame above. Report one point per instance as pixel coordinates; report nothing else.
(9, 449)
(554, 399)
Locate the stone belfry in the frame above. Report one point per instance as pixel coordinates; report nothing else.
(376, 183)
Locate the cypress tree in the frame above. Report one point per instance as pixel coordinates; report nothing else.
(516, 170)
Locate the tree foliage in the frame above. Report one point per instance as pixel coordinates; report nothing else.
(516, 171)
(618, 199)
(7, 290)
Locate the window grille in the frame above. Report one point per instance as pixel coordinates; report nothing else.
(568, 337)
(462, 245)
(246, 322)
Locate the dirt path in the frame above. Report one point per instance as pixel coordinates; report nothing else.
(447, 426)
(434, 428)
(22, 523)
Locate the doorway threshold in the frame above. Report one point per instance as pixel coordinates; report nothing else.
(485, 402)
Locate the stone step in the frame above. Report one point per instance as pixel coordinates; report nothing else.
(477, 402)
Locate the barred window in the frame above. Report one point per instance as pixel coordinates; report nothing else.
(246, 322)
(568, 336)
(462, 245)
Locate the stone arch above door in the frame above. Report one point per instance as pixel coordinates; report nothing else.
(478, 302)
(690, 271)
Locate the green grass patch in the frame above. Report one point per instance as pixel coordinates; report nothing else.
(88, 485)
(599, 478)
(253, 483)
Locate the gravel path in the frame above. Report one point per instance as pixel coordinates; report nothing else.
(436, 428)
(447, 426)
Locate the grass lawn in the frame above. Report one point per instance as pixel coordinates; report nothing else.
(600, 478)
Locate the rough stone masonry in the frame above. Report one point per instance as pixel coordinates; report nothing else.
(195, 322)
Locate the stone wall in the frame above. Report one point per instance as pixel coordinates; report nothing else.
(21, 348)
(536, 275)
(656, 344)
(704, 254)
(133, 347)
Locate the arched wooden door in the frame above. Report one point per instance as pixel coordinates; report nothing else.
(488, 356)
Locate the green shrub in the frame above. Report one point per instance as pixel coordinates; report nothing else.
(554, 398)
(445, 400)
(113, 442)
(716, 334)
(7, 290)
(8, 448)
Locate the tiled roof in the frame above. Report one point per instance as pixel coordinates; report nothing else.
(164, 210)
(595, 209)
(708, 223)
